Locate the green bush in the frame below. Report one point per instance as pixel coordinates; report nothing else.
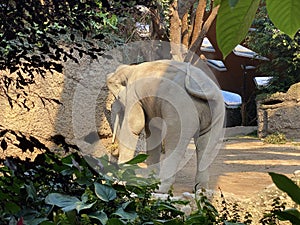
(282, 51)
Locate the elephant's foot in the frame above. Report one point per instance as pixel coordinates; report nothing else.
(166, 185)
(202, 180)
(164, 188)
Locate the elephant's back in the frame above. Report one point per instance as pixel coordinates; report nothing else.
(163, 69)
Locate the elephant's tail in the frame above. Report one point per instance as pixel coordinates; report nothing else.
(198, 84)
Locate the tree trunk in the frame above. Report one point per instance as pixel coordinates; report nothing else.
(175, 32)
(188, 27)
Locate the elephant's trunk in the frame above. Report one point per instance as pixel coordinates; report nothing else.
(115, 128)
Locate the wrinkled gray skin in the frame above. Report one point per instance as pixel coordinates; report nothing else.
(173, 102)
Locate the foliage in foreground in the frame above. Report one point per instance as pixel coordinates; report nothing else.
(77, 190)
(279, 212)
(55, 190)
(67, 190)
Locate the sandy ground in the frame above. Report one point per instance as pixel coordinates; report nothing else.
(242, 165)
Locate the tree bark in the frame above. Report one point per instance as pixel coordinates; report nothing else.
(175, 32)
(184, 6)
(198, 20)
(185, 30)
(196, 47)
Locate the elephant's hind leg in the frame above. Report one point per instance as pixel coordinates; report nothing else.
(175, 147)
(202, 176)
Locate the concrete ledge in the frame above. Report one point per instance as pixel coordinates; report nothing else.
(239, 130)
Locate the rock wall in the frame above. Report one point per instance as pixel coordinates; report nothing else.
(47, 119)
(280, 113)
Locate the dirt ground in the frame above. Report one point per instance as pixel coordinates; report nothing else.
(242, 165)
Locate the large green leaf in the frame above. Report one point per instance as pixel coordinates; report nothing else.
(287, 185)
(64, 201)
(104, 192)
(233, 23)
(129, 216)
(285, 15)
(67, 202)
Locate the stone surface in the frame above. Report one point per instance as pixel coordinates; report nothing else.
(280, 113)
(80, 88)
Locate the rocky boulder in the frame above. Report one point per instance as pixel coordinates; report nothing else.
(280, 112)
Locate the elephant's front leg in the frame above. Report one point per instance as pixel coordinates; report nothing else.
(126, 152)
(127, 144)
(132, 126)
(154, 136)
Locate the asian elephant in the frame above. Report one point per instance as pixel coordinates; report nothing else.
(173, 102)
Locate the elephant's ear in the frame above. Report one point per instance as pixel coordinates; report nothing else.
(117, 81)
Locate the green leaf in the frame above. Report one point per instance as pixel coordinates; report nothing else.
(104, 192)
(234, 23)
(81, 205)
(293, 215)
(130, 216)
(194, 219)
(138, 159)
(31, 192)
(100, 215)
(285, 15)
(115, 221)
(287, 185)
(67, 202)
